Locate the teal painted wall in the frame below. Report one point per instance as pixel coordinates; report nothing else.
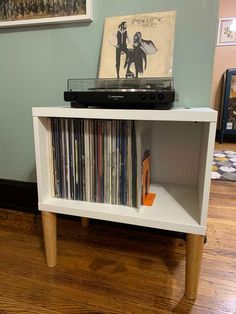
(36, 62)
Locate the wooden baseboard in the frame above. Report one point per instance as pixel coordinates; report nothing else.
(18, 195)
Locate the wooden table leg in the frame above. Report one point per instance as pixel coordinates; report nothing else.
(84, 222)
(49, 221)
(194, 248)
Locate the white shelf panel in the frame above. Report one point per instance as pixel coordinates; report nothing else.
(175, 114)
(175, 208)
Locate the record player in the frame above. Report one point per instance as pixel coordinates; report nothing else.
(140, 93)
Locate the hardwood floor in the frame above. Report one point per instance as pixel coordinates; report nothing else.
(115, 268)
(225, 146)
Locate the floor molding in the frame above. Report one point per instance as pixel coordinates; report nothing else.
(18, 195)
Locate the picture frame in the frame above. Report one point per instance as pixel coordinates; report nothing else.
(39, 12)
(226, 37)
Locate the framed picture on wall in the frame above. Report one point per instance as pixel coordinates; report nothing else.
(15, 13)
(139, 45)
(226, 33)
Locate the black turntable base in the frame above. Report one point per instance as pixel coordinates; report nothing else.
(121, 93)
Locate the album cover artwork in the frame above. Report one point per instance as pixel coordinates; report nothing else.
(138, 45)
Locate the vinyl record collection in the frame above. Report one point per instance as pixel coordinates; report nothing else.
(95, 160)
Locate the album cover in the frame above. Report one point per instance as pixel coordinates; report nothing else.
(138, 45)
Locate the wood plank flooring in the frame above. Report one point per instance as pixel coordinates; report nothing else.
(115, 268)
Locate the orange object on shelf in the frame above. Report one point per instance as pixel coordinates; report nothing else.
(147, 197)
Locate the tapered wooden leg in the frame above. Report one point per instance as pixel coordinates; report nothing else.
(194, 248)
(84, 222)
(49, 221)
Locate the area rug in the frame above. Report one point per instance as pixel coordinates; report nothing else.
(224, 165)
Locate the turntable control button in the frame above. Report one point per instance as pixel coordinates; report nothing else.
(152, 96)
(143, 96)
(160, 96)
